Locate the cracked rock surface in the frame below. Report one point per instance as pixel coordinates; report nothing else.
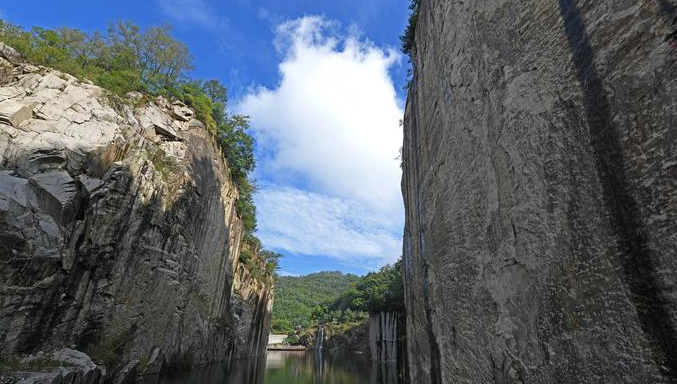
(118, 228)
(540, 184)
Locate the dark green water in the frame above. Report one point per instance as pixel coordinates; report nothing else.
(292, 368)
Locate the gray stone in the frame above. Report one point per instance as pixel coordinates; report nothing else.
(52, 81)
(541, 228)
(15, 112)
(77, 368)
(10, 54)
(183, 113)
(167, 131)
(155, 363)
(90, 184)
(56, 193)
(128, 374)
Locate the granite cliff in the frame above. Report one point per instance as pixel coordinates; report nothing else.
(540, 168)
(119, 234)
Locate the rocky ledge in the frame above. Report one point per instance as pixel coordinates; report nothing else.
(65, 366)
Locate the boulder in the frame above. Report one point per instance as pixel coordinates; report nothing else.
(10, 54)
(15, 112)
(181, 112)
(76, 368)
(56, 193)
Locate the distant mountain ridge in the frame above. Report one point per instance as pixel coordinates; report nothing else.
(295, 296)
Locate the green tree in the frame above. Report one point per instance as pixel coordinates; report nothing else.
(161, 60)
(408, 37)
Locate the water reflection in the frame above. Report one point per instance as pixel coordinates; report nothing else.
(292, 368)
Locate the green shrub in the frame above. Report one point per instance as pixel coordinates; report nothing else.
(293, 339)
(281, 326)
(408, 37)
(165, 164)
(109, 350)
(11, 364)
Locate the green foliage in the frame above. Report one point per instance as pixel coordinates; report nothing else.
(12, 364)
(375, 292)
(160, 59)
(237, 145)
(125, 59)
(163, 163)
(143, 363)
(260, 264)
(247, 210)
(191, 93)
(293, 339)
(271, 260)
(281, 325)
(408, 37)
(332, 297)
(295, 297)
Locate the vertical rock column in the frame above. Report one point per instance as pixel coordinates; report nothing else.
(383, 336)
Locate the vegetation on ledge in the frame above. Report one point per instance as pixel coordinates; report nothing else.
(12, 364)
(408, 37)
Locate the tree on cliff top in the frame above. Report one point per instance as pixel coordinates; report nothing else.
(409, 34)
(160, 59)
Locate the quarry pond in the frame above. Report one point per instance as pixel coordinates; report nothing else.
(290, 367)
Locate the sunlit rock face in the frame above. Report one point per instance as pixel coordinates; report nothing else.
(118, 231)
(540, 168)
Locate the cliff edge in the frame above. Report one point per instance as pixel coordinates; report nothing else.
(118, 229)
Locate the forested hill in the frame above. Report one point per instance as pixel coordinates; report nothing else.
(296, 296)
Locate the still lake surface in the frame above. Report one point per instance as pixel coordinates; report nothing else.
(278, 367)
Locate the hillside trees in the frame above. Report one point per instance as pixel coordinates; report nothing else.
(297, 296)
(327, 297)
(375, 292)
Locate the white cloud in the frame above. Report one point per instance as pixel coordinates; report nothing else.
(315, 224)
(334, 117)
(193, 12)
(332, 127)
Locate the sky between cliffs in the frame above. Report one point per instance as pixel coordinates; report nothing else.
(329, 140)
(323, 84)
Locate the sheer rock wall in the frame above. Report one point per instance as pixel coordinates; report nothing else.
(118, 229)
(540, 175)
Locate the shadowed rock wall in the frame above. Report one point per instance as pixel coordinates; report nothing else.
(540, 168)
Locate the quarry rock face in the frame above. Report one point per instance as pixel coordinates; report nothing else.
(540, 184)
(118, 229)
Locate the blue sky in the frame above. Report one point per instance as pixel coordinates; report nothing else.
(323, 83)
